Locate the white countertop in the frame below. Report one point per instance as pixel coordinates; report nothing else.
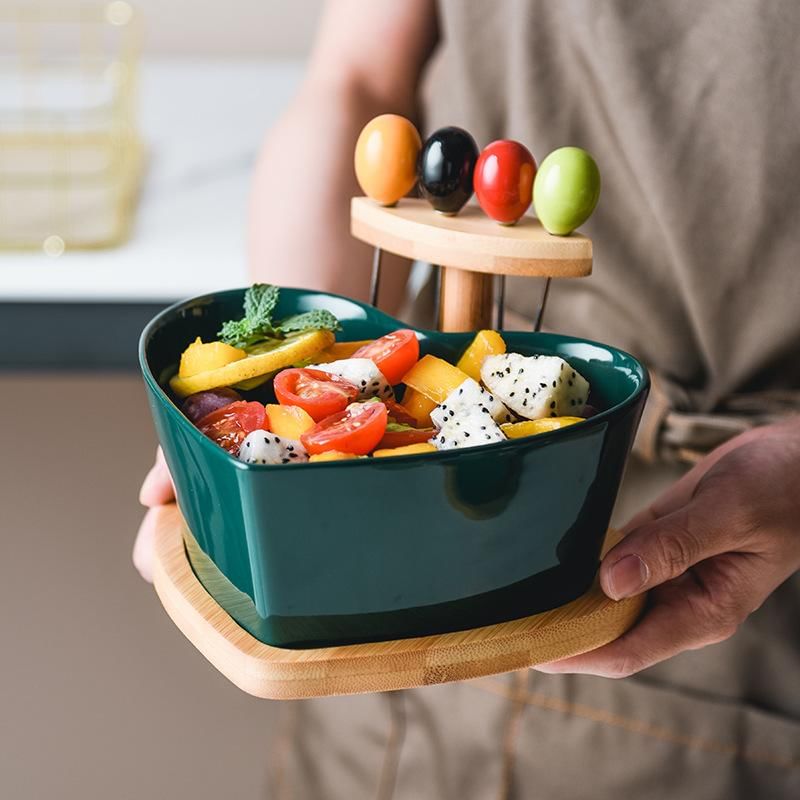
(202, 122)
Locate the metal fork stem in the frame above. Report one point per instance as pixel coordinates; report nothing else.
(437, 292)
(501, 303)
(538, 324)
(375, 281)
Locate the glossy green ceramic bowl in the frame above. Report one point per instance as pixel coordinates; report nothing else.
(374, 549)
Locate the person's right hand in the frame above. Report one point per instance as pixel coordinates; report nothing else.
(157, 490)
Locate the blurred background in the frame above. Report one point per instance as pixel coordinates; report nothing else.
(127, 137)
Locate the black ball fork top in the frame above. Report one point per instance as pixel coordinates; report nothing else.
(445, 167)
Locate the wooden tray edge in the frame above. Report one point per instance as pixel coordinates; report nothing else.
(277, 673)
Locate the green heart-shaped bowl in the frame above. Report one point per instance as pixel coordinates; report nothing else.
(375, 549)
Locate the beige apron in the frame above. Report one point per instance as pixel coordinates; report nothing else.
(692, 111)
(720, 723)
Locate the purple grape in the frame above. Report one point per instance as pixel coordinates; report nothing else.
(196, 406)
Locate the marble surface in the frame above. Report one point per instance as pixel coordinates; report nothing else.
(202, 121)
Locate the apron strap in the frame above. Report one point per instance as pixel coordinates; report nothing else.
(669, 435)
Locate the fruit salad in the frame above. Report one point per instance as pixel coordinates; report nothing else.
(337, 400)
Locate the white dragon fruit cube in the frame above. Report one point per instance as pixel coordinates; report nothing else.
(469, 395)
(361, 372)
(471, 428)
(264, 447)
(535, 386)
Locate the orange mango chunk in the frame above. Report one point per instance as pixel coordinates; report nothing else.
(332, 455)
(434, 378)
(518, 430)
(485, 343)
(405, 450)
(290, 422)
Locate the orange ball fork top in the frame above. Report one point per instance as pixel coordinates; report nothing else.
(386, 158)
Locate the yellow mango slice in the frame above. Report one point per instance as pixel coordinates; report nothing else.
(485, 343)
(518, 430)
(290, 422)
(204, 356)
(340, 350)
(434, 378)
(419, 407)
(332, 455)
(268, 360)
(405, 450)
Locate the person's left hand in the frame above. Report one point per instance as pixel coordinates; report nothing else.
(157, 490)
(709, 551)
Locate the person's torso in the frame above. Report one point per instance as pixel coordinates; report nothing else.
(692, 111)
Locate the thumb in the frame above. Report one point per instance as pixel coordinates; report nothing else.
(663, 549)
(144, 546)
(157, 488)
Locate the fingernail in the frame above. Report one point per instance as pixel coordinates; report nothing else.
(627, 577)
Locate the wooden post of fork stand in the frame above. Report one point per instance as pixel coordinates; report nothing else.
(466, 300)
(472, 249)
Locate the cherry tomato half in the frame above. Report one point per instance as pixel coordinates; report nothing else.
(399, 413)
(358, 430)
(315, 391)
(393, 354)
(392, 439)
(228, 426)
(503, 180)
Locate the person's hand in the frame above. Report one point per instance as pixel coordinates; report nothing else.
(157, 490)
(710, 551)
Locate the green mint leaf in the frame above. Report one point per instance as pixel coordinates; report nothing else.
(259, 303)
(236, 332)
(319, 319)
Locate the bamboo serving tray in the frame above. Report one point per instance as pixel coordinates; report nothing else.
(285, 674)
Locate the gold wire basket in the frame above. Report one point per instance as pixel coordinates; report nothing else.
(70, 156)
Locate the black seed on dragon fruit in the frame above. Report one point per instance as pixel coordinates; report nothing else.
(362, 373)
(469, 429)
(262, 447)
(544, 392)
(469, 395)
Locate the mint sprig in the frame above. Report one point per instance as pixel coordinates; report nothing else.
(257, 325)
(319, 319)
(260, 300)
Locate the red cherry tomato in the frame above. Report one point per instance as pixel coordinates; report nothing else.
(228, 426)
(315, 391)
(358, 430)
(393, 439)
(400, 414)
(503, 180)
(393, 354)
